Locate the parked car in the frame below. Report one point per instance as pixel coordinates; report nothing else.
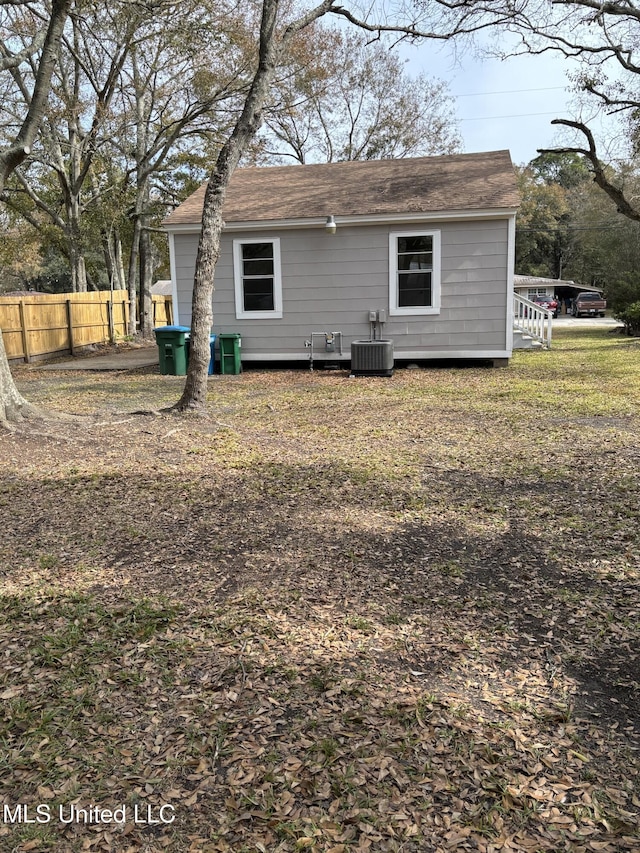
(589, 304)
(548, 302)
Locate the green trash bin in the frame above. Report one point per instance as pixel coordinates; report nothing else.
(172, 350)
(230, 353)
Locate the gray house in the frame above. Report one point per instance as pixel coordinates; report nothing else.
(317, 259)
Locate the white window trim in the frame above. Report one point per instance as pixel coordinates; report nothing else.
(241, 314)
(394, 309)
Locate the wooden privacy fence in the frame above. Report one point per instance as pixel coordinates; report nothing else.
(49, 323)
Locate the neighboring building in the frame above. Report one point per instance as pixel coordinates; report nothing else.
(163, 309)
(563, 289)
(420, 251)
(162, 287)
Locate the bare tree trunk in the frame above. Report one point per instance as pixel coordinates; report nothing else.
(137, 259)
(146, 273)
(120, 280)
(132, 278)
(13, 407)
(194, 395)
(78, 268)
(112, 252)
(74, 233)
(107, 254)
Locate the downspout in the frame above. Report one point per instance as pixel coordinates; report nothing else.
(174, 278)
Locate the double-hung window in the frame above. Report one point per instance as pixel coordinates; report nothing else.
(258, 282)
(414, 272)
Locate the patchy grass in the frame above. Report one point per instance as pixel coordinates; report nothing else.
(337, 615)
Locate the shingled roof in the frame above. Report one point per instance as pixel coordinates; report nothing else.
(363, 188)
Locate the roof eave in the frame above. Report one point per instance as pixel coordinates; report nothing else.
(365, 219)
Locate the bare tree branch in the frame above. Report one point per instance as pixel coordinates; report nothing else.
(12, 156)
(601, 175)
(13, 60)
(622, 9)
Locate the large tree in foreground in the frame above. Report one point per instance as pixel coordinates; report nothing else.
(278, 30)
(13, 407)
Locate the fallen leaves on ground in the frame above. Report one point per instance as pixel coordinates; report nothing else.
(338, 615)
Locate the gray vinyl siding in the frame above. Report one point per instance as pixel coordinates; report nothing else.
(330, 283)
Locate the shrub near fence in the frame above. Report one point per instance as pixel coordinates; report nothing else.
(48, 324)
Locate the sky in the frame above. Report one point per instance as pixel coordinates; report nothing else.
(501, 104)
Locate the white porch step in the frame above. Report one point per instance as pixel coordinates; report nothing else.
(523, 341)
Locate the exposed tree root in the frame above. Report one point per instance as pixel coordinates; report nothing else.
(189, 409)
(14, 417)
(14, 413)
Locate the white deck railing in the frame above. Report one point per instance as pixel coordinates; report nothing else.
(532, 319)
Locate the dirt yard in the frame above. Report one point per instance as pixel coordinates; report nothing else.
(336, 615)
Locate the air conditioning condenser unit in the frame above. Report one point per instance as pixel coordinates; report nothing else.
(372, 358)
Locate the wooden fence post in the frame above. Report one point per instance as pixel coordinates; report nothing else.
(25, 332)
(70, 326)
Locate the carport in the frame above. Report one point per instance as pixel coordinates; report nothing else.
(562, 289)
